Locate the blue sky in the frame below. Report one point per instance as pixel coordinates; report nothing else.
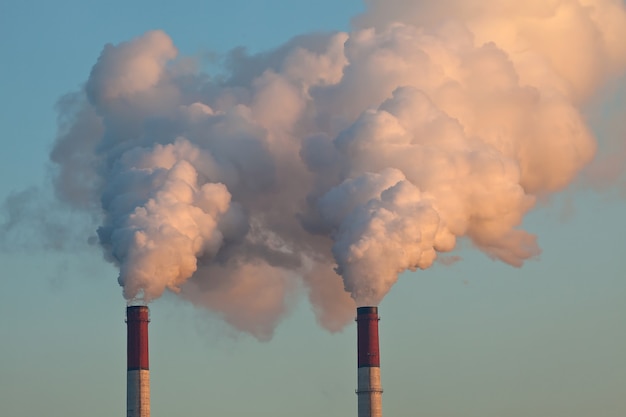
(477, 338)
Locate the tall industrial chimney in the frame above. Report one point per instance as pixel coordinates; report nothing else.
(138, 376)
(369, 391)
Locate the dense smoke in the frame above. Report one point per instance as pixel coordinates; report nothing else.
(338, 160)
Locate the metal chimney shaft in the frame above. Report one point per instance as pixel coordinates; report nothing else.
(138, 369)
(369, 389)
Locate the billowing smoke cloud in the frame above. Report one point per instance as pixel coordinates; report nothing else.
(336, 161)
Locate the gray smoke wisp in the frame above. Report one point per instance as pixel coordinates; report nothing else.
(336, 161)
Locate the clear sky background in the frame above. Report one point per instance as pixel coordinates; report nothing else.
(478, 338)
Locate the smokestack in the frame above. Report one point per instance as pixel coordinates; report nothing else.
(138, 374)
(369, 391)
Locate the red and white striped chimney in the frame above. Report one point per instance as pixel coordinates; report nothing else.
(138, 374)
(369, 391)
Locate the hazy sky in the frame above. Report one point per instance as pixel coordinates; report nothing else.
(476, 338)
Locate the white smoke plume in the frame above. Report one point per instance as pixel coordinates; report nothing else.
(336, 161)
